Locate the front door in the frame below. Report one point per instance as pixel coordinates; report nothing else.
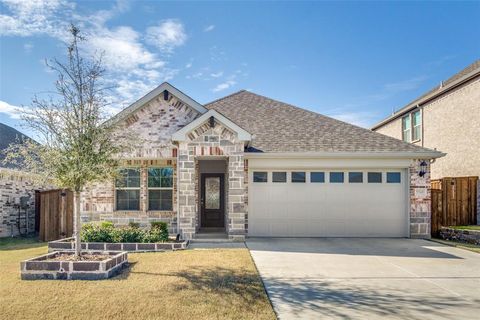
(212, 200)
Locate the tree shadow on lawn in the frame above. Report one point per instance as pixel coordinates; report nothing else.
(218, 280)
(20, 243)
(332, 299)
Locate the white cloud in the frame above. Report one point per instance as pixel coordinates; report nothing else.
(225, 85)
(13, 112)
(167, 35)
(188, 65)
(361, 119)
(405, 85)
(216, 75)
(209, 28)
(29, 18)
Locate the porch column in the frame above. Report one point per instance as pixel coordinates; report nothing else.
(186, 191)
(420, 201)
(236, 195)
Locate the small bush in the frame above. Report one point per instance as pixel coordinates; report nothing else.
(106, 232)
(134, 225)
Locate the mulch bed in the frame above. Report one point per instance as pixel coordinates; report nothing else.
(83, 257)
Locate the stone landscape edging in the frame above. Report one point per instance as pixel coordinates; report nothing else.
(39, 269)
(462, 235)
(68, 244)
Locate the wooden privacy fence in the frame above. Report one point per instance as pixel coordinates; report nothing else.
(56, 214)
(454, 202)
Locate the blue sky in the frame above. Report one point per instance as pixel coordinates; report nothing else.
(353, 61)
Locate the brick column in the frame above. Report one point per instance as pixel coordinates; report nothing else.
(236, 195)
(420, 202)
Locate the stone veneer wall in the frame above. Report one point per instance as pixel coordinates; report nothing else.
(208, 142)
(13, 185)
(98, 201)
(420, 202)
(152, 127)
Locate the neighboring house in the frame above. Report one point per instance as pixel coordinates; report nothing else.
(248, 165)
(447, 118)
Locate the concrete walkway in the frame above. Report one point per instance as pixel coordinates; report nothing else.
(341, 278)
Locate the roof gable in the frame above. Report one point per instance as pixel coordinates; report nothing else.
(152, 95)
(182, 134)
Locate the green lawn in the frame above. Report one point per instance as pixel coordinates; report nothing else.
(191, 284)
(466, 227)
(461, 245)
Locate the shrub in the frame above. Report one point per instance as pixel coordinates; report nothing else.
(134, 225)
(131, 235)
(158, 231)
(105, 232)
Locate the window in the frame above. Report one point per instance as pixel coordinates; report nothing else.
(336, 177)
(417, 125)
(374, 177)
(160, 189)
(260, 177)
(279, 177)
(298, 176)
(317, 176)
(355, 177)
(393, 177)
(406, 129)
(127, 189)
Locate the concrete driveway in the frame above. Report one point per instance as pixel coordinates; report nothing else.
(340, 278)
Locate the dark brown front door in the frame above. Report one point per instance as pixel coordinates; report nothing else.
(212, 200)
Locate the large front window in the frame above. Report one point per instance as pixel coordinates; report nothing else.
(160, 189)
(127, 189)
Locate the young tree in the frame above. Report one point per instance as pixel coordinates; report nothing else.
(75, 147)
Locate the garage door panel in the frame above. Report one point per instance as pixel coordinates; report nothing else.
(328, 209)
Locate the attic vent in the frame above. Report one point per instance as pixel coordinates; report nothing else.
(165, 95)
(212, 122)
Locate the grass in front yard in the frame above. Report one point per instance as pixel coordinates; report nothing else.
(458, 244)
(466, 227)
(191, 284)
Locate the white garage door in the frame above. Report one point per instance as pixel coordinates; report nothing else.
(321, 203)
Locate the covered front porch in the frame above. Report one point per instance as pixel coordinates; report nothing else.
(212, 183)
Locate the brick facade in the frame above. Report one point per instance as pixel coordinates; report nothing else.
(14, 185)
(420, 201)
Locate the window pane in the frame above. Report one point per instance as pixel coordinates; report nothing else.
(260, 177)
(128, 199)
(406, 122)
(317, 177)
(336, 177)
(279, 177)
(406, 129)
(355, 177)
(298, 176)
(160, 177)
(128, 178)
(393, 177)
(417, 118)
(212, 193)
(160, 200)
(374, 177)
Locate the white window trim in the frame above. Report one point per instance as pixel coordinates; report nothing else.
(411, 128)
(158, 188)
(139, 188)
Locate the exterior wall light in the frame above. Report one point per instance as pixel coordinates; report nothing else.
(423, 168)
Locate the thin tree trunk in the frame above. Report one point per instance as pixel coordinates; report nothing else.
(77, 224)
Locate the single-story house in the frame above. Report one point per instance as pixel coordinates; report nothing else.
(248, 165)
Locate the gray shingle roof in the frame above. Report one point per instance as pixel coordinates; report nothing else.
(281, 127)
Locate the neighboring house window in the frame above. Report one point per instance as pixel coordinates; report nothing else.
(127, 189)
(406, 129)
(298, 176)
(279, 177)
(374, 177)
(317, 177)
(393, 177)
(336, 177)
(355, 177)
(260, 176)
(417, 125)
(412, 126)
(160, 189)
